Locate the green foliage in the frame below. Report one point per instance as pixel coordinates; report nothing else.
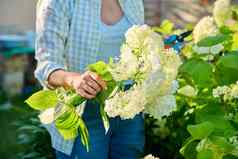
(201, 130)
(235, 42)
(42, 100)
(164, 138)
(197, 72)
(189, 149)
(214, 40)
(202, 126)
(33, 138)
(211, 129)
(165, 28)
(226, 69)
(205, 154)
(214, 113)
(74, 100)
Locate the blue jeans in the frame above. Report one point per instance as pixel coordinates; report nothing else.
(125, 139)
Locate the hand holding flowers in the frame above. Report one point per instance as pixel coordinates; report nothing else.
(143, 60)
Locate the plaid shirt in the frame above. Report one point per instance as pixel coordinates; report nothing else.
(68, 37)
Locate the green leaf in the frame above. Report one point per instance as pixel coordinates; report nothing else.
(42, 100)
(84, 133)
(189, 149)
(75, 100)
(214, 147)
(213, 40)
(230, 157)
(235, 42)
(70, 125)
(103, 95)
(197, 72)
(235, 9)
(225, 30)
(214, 113)
(205, 154)
(226, 69)
(166, 27)
(99, 67)
(222, 144)
(105, 118)
(32, 155)
(67, 120)
(201, 131)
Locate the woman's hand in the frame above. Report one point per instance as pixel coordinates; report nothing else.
(87, 85)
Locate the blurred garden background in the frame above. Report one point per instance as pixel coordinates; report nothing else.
(22, 135)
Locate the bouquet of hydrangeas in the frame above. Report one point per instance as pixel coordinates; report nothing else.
(153, 70)
(144, 61)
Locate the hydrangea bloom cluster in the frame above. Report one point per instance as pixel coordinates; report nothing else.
(205, 27)
(222, 11)
(213, 50)
(227, 92)
(154, 69)
(126, 104)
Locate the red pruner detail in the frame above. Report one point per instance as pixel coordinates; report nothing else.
(167, 46)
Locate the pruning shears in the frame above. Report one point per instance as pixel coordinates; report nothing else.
(176, 41)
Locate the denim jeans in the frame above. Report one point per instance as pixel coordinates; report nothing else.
(125, 139)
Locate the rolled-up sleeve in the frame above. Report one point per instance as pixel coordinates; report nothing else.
(52, 27)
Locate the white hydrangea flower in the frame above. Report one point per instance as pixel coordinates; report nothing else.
(154, 60)
(188, 91)
(174, 86)
(154, 70)
(170, 63)
(222, 11)
(162, 106)
(126, 104)
(204, 28)
(153, 46)
(148, 65)
(221, 91)
(47, 116)
(226, 92)
(155, 85)
(234, 91)
(140, 54)
(136, 35)
(201, 50)
(127, 67)
(150, 157)
(213, 50)
(153, 43)
(216, 49)
(158, 93)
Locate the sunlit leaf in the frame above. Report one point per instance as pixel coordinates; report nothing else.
(42, 100)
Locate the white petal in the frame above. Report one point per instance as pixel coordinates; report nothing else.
(216, 49)
(47, 116)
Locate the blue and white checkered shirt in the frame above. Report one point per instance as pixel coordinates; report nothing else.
(68, 37)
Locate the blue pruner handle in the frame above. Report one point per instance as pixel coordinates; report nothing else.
(176, 41)
(173, 42)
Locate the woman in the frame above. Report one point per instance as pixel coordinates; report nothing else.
(70, 35)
